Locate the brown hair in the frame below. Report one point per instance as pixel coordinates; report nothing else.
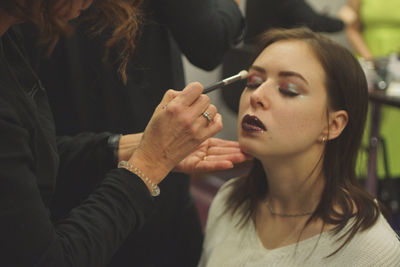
(122, 15)
(347, 90)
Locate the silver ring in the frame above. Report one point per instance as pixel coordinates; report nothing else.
(207, 116)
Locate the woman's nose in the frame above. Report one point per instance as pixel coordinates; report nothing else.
(259, 97)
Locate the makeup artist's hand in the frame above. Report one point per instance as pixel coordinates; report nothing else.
(127, 144)
(175, 130)
(214, 154)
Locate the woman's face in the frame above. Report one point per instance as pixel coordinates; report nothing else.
(72, 9)
(282, 110)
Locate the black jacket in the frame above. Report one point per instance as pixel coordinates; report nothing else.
(31, 156)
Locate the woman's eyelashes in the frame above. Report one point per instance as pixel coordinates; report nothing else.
(254, 81)
(285, 88)
(289, 89)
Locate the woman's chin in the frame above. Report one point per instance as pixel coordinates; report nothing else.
(247, 149)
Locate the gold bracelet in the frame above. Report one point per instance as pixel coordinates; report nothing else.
(155, 190)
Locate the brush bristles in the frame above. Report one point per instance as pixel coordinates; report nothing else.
(243, 74)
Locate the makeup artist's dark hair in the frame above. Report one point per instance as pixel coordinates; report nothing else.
(122, 15)
(347, 90)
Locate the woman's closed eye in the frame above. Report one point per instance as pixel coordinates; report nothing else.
(254, 81)
(286, 88)
(289, 89)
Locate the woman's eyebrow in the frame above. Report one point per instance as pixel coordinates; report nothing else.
(257, 68)
(291, 74)
(281, 73)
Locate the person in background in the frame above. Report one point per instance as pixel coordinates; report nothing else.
(301, 116)
(373, 30)
(31, 156)
(86, 94)
(263, 15)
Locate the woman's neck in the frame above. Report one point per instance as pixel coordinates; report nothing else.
(6, 21)
(295, 184)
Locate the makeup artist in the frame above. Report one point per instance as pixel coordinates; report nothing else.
(86, 95)
(31, 155)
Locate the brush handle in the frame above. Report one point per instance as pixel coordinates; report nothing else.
(213, 87)
(240, 76)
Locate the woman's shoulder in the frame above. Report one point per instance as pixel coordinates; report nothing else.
(378, 245)
(218, 204)
(220, 222)
(223, 192)
(382, 231)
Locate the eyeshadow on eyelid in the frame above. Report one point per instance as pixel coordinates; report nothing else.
(255, 79)
(292, 86)
(258, 79)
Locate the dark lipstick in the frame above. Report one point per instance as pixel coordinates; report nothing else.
(251, 123)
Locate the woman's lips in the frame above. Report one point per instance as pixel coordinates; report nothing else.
(252, 124)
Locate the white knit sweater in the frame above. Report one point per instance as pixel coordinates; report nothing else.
(228, 245)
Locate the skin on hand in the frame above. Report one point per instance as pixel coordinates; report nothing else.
(175, 130)
(127, 145)
(214, 154)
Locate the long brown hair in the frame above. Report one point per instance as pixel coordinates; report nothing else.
(347, 90)
(122, 15)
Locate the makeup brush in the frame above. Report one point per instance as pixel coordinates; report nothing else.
(240, 76)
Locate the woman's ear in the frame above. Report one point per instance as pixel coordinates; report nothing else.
(337, 122)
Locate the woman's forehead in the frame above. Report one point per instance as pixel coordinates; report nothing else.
(288, 49)
(291, 55)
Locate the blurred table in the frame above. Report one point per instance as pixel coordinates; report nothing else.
(377, 99)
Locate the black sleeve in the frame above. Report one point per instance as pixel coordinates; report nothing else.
(84, 160)
(299, 13)
(86, 151)
(88, 236)
(204, 30)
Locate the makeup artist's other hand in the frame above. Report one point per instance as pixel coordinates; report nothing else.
(175, 130)
(214, 154)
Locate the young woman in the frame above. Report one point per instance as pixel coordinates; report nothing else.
(31, 156)
(301, 116)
